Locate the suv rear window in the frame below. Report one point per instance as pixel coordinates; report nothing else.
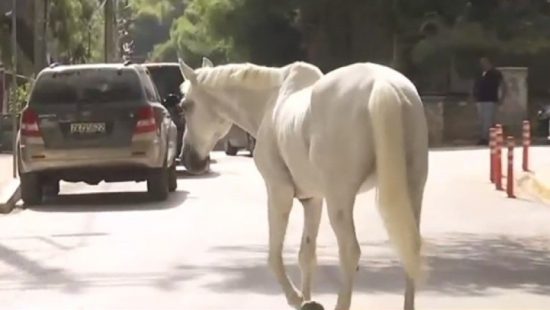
(167, 79)
(95, 86)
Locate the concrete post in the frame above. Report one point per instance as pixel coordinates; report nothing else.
(513, 111)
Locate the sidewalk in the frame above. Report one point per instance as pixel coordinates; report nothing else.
(6, 167)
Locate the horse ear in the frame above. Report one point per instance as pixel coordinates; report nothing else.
(188, 72)
(207, 63)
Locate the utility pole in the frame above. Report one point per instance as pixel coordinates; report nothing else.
(110, 31)
(14, 84)
(39, 35)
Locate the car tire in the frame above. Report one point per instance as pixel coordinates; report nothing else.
(251, 145)
(51, 188)
(172, 178)
(229, 149)
(157, 184)
(32, 191)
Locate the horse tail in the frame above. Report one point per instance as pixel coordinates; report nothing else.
(394, 202)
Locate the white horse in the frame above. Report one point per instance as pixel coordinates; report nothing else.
(330, 137)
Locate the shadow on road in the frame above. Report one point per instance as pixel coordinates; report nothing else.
(111, 201)
(463, 264)
(33, 274)
(183, 174)
(41, 277)
(458, 148)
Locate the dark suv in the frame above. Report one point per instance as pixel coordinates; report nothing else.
(168, 78)
(93, 123)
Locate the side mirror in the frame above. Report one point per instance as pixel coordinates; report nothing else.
(171, 100)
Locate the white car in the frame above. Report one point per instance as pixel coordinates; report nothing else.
(237, 139)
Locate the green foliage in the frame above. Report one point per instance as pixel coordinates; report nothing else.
(21, 97)
(151, 27)
(77, 29)
(511, 32)
(233, 30)
(161, 9)
(266, 32)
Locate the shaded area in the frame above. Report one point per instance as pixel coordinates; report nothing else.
(41, 276)
(183, 174)
(464, 264)
(458, 148)
(37, 275)
(111, 201)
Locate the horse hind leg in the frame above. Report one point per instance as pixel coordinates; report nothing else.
(307, 256)
(279, 206)
(340, 204)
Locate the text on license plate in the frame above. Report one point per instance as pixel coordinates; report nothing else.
(88, 128)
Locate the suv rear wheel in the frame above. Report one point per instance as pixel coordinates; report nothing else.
(31, 189)
(158, 183)
(51, 188)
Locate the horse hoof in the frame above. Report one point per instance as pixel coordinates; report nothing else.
(311, 305)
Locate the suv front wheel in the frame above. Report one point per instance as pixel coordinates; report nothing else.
(172, 178)
(31, 189)
(230, 149)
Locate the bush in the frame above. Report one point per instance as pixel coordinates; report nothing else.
(21, 96)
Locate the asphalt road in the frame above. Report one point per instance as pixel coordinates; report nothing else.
(106, 247)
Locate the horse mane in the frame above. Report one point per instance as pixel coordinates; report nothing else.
(247, 75)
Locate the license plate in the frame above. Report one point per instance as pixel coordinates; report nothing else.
(88, 128)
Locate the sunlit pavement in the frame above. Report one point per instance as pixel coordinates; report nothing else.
(106, 247)
(6, 170)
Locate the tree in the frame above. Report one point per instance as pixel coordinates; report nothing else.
(234, 30)
(514, 33)
(151, 23)
(76, 29)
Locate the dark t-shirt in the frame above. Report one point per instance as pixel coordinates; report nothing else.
(486, 86)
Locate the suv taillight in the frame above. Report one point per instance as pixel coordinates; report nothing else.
(29, 123)
(146, 122)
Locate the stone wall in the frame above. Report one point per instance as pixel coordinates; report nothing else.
(453, 119)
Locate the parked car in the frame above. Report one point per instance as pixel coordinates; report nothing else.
(237, 139)
(543, 119)
(168, 78)
(93, 123)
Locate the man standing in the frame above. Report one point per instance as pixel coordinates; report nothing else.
(486, 92)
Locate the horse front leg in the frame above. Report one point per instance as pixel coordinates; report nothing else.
(307, 256)
(279, 206)
(340, 211)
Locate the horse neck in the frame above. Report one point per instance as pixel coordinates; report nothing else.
(246, 108)
(298, 77)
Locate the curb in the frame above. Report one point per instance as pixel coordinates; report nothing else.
(9, 196)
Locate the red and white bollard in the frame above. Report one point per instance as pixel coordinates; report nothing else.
(526, 144)
(510, 174)
(498, 157)
(493, 151)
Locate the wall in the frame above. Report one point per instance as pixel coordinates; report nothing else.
(451, 120)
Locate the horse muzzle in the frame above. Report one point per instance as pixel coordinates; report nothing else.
(194, 163)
